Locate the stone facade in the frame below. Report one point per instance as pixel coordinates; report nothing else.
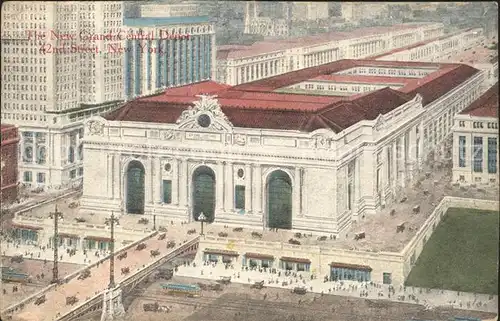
(10, 140)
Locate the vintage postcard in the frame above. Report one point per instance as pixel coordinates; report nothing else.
(249, 160)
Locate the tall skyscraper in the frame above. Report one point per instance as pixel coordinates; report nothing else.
(56, 72)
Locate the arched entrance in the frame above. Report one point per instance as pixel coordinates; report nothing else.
(279, 200)
(203, 193)
(135, 187)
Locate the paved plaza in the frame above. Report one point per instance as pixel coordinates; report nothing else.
(429, 298)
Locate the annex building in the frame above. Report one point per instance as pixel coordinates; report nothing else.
(310, 150)
(475, 141)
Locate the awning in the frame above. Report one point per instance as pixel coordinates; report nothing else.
(295, 260)
(221, 252)
(350, 266)
(98, 238)
(26, 227)
(68, 235)
(259, 256)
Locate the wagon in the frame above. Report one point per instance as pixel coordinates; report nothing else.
(40, 300)
(224, 280)
(257, 285)
(85, 274)
(125, 270)
(170, 244)
(140, 247)
(17, 259)
(70, 300)
(162, 236)
(299, 290)
(122, 256)
(154, 253)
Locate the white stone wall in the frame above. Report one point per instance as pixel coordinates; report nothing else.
(470, 127)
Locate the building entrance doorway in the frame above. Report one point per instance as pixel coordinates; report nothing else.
(279, 200)
(135, 187)
(203, 194)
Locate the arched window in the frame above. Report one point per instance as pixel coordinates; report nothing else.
(71, 154)
(41, 156)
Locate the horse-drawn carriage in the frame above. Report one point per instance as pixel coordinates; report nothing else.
(299, 290)
(257, 285)
(154, 253)
(85, 274)
(162, 236)
(17, 259)
(40, 300)
(170, 244)
(122, 256)
(224, 280)
(71, 300)
(125, 270)
(140, 247)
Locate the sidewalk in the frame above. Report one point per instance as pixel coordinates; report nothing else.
(428, 298)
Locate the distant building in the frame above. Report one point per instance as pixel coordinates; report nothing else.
(267, 26)
(9, 152)
(167, 52)
(240, 64)
(169, 10)
(355, 11)
(475, 141)
(309, 10)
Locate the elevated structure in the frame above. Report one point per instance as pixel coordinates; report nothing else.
(141, 265)
(241, 64)
(260, 154)
(475, 141)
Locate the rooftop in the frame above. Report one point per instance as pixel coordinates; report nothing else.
(153, 21)
(258, 105)
(262, 47)
(486, 105)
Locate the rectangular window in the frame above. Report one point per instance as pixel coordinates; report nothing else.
(167, 191)
(72, 174)
(478, 154)
(40, 178)
(461, 151)
(28, 176)
(387, 278)
(80, 171)
(239, 197)
(492, 155)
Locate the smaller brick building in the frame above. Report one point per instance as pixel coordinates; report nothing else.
(9, 173)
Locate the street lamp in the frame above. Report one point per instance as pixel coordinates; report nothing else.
(202, 218)
(56, 215)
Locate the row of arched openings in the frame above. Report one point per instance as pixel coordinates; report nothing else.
(203, 195)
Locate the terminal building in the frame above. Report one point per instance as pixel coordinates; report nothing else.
(309, 150)
(475, 141)
(238, 64)
(167, 52)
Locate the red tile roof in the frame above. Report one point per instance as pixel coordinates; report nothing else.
(256, 105)
(264, 47)
(486, 105)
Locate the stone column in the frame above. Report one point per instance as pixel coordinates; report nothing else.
(356, 182)
(403, 160)
(219, 196)
(248, 189)
(297, 192)
(229, 206)
(183, 183)
(257, 194)
(394, 176)
(175, 181)
(157, 181)
(117, 179)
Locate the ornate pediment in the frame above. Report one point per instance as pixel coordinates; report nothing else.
(205, 113)
(95, 126)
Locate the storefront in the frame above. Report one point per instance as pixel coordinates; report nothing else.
(295, 264)
(258, 260)
(96, 243)
(351, 272)
(69, 240)
(216, 255)
(26, 234)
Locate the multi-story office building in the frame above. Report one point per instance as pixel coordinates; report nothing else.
(8, 181)
(167, 52)
(55, 73)
(240, 64)
(475, 141)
